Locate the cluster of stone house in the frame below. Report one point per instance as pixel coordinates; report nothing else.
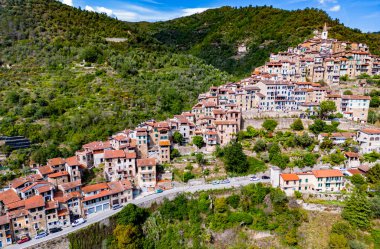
(322, 59)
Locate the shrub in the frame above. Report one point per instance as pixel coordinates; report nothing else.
(270, 125)
(240, 217)
(297, 125)
(233, 201)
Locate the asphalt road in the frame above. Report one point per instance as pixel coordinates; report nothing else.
(234, 182)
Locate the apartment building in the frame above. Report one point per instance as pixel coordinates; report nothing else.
(369, 140)
(146, 173)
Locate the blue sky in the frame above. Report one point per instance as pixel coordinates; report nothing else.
(362, 14)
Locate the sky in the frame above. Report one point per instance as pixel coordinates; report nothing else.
(361, 14)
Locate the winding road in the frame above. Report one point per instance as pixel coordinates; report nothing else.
(234, 182)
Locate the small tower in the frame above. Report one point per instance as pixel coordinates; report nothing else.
(324, 32)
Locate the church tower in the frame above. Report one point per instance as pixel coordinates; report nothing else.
(324, 32)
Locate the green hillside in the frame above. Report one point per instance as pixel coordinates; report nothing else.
(48, 95)
(215, 35)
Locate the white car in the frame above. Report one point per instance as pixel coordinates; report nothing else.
(254, 179)
(78, 222)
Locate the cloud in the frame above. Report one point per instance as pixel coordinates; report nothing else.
(191, 11)
(335, 8)
(89, 8)
(327, 1)
(68, 2)
(98, 9)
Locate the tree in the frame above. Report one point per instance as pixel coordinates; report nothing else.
(132, 214)
(234, 158)
(233, 200)
(270, 125)
(177, 137)
(200, 159)
(357, 180)
(280, 160)
(326, 108)
(303, 141)
(358, 210)
(127, 236)
(174, 153)
(297, 125)
(259, 146)
(320, 126)
(310, 159)
(373, 117)
(375, 206)
(344, 228)
(347, 92)
(198, 141)
(188, 176)
(338, 241)
(373, 175)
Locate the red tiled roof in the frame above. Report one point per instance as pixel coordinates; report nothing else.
(351, 154)
(51, 205)
(130, 155)
(4, 219)
(121, 138)
(99, 195)
(9, 196)
(372, 131)
(44, 189)
(34, 202)
(72, 161)
(70, 185)
(94, 187)
(56, 161)
(58, 174)
(225, 122)
(63, 198)
(110, 154)
(63, 212)
(45, 170)
(355, 171)
(356, 97)
(327, 173)
(97, 145)
(16, 205)
(18, 213)
(289, 177)
(146, 162)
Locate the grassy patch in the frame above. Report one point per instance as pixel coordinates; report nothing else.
(325, 202)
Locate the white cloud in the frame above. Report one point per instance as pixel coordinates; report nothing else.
(191, 11)
(104, 10)
(335, 8)
(68, 2)
(327, 1)
(89, 8)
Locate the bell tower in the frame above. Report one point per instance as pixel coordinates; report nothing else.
(325, 33)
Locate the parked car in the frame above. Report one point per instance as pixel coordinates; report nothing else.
(225, 181)
(159, 191)
(215, 182)
(265, 177)
(117, 206)
(55, 230)
(254, 179)
(41, 235)
(78, 222)
(23, 240)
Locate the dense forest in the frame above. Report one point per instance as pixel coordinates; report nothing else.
(216, 34)
(62, 84)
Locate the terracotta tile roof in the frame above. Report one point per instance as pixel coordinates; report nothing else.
(17, 213)
(58, 174)
(289, 177)
(146, 162)
(94, 187)
(225, 122)
(44, 189)
(164, 143)
(356, 97)
(63, 198)
(110, 154)
(45, 170)
(121, 138)
(72, 161)
(56, 161)
(34, 185)
(22, 180)
(99, 195)
(63, 212)
(9, 196)
(126, 184)
(327, 173)
(339, 134)
(34, 202)
(70, 185)
(130, 155)
(16, 205)
(97, 145)
(351, 154)
(364, 168)
(372, 131)
(4, 219)
(51, 205)
(355, 171)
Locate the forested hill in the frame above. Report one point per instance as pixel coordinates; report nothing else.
(50, 96)
(215, 35)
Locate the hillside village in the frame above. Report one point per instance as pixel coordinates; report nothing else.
(291, 84)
